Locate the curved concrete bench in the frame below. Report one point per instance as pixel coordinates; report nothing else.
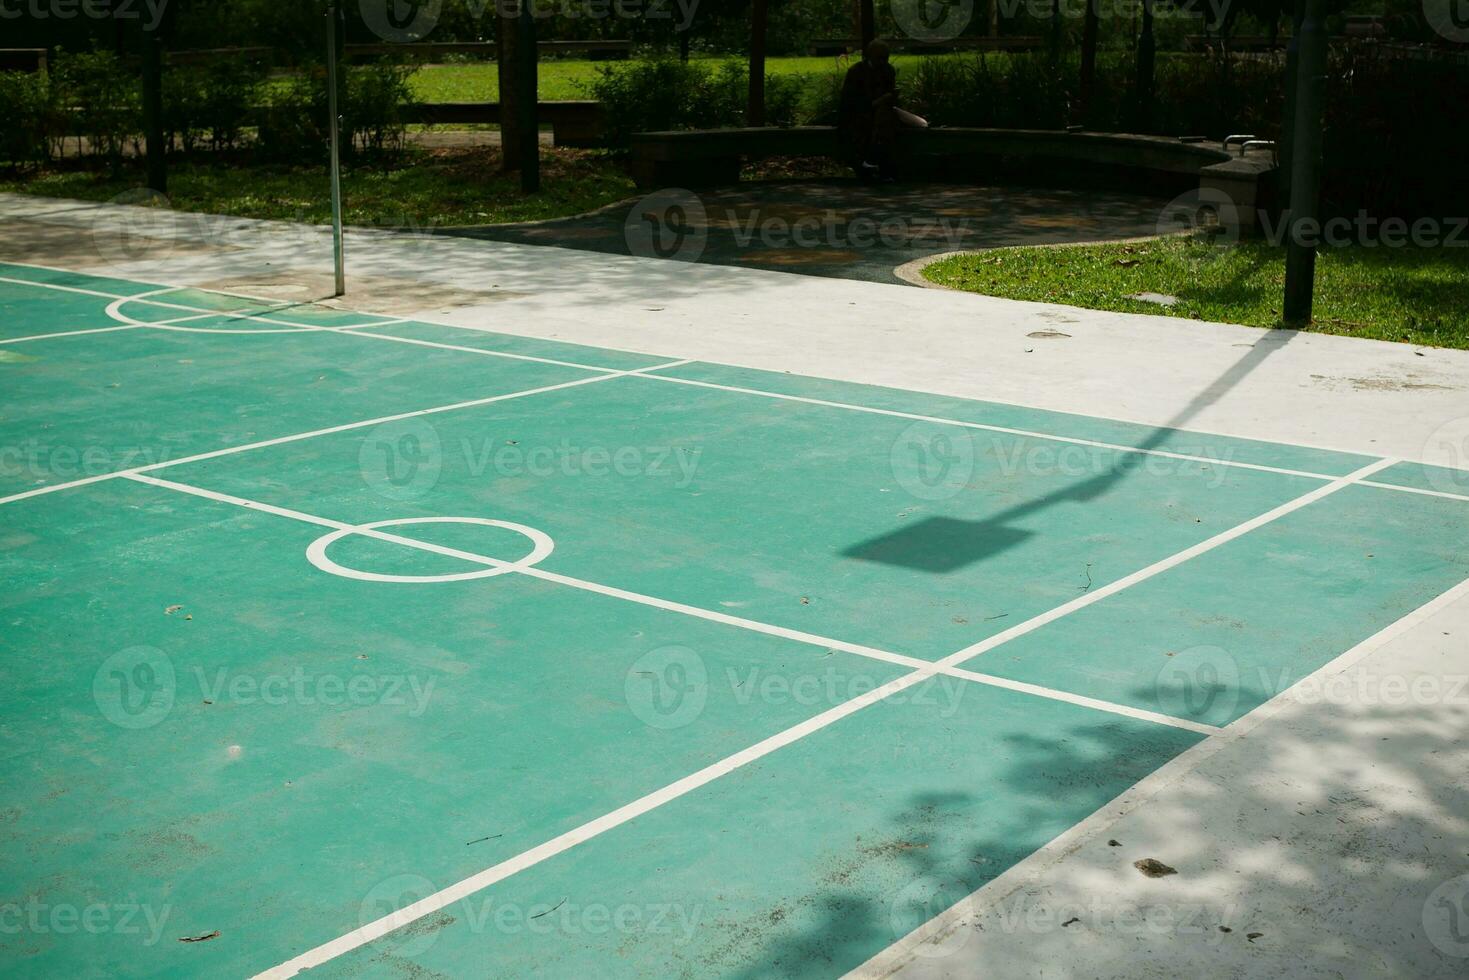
(1153, 164)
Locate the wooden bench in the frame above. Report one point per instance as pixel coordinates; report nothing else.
(28, 60)
(1153, 164)
(826, 47)
(594, 50)
(573, 122)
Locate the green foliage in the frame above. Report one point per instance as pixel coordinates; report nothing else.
(211, 100)
(663, 93)
(105, 94)
(294, 126)
(28, 117)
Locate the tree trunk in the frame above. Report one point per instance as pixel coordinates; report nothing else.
(506, 43)
(1089, 61)
(755, 112)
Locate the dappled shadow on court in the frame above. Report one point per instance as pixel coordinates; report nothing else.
(840, 228)
(945, 544)
(1302, 852)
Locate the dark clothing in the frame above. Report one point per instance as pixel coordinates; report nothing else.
(868, 120)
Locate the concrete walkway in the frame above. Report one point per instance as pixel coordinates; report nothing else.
(838, 228)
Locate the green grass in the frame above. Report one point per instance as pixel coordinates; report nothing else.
(569, 79)
(448, 187)
(1416, 295)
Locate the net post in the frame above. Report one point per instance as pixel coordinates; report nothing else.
(338, 267)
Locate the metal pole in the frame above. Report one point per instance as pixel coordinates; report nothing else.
(336, 164)
(1305, 179)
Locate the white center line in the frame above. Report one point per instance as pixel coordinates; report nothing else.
(462, 889)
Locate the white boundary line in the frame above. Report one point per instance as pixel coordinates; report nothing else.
(344, 427)
(799, 636)
(67, 333)
(357, 330)
(1030, 868)
(468, 886)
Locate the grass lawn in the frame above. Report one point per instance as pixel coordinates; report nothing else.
(1416, 295)
(433, 188)
(569, 78)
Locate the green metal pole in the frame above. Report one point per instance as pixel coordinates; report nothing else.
(1305, 181)
(338, 263)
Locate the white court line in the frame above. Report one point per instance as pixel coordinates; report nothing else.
(1029, 869)
(345, 427)
(69, 333)
(131, 325)
(799, 636)
(1027, 433)
(356, 330)
(462, 889)
(1418, 490)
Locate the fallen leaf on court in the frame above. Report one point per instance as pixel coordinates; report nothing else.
(1114, 843)
(199, 939)
(1252, 936)
(1069, 921)
(1154, 868)
(170, 610)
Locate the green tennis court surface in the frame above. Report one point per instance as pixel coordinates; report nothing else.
(367, 646)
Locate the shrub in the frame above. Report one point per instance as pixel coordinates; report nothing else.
(370, 104)
(104, 95)
(662, 93)
(28, 117)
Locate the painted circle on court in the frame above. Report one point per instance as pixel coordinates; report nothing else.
(541, 546)
(401, 21)
(150, 232)
(667, 687)
(1446, 917)
(387, 897)
(1199, 684)
(670, 224)
(1206, 213)
(932, 20)
(401, 460)
(1450, 18)
(932, 461)
(920, 901)
(135, 688)
(1448, 445)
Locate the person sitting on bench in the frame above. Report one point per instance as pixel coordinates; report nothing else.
(870, 116)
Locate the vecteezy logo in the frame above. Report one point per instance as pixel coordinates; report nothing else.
(150, 231)
(392, 895)
(1200, 684)
(1450, 18)
(1446, 917)
(932, 461)
(667, 687)
(1448, 445)
(670, 224)
(135, 688)
(401, 460)
(1208, 214)
(932, 20)
(401, 21)
(920, 901)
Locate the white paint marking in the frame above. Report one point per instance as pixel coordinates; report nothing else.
(541, 546)
(1032, 867)
(345, 427)
(468, 886)
(354, 331)
(1027, 433)
(1418, 490)
(69, 333)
